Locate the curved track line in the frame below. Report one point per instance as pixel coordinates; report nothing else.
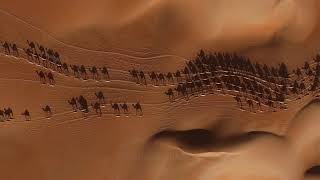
(85, 49)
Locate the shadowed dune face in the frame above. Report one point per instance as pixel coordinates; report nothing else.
(203, 139)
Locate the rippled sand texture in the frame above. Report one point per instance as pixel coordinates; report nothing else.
(202, 139)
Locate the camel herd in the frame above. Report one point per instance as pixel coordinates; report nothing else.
(81, 103)
(251, 83)
(254, 84)
(51, 59)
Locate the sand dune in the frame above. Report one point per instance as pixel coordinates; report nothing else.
(165, 142)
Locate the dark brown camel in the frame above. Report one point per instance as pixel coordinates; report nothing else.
(177, 75)
(29, 53)
(26, 115)
(50, 78)
(65, 68)
(154, 78)
(161, 78)
(94, 72)
(83, 72)
(134, 74)
(239, 102)
(83, 104)
(170, 77)
(97, 107)
(2, 118)
(75, 70)
(41, 76)
(138, 108)
(41, 48)
(31, 45)
(73, 103)
(8, 113)
(6, 47)
(250, 104)
(100, 97)
(15, 49)
(56, 56)
(47, 110)
(105, 73)
(170, 94)
(125, 108)
(116, 108)
(142, 78)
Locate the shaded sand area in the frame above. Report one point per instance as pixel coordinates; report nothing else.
(207, 137)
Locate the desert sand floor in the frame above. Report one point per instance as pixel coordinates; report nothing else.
(264, 146)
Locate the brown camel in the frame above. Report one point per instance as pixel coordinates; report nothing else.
(26, 115)
(134, 74)
(97, 107)
(100, 97)
(6, 47)
(83, 72)
(15, 50)
(94, 72)
(138, 108)
(154, 78)
(116, 108)
(50, 78)
(105, 72)
(8, 113)
(73, 103)
(41, 76)
(75, 70)
(47, 110)
(125, 108)
(170, 94)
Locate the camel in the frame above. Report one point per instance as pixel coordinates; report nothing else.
(177, 75)
(41, 76)
(59, 66)
(154, 78)
(161, 78)
(134, 74)
(142, 78)
(125, 108)
(83, 72)
(94, 72)
(37, 57)
(73, 103)
(50, 78)
(258, 103)
(44, 60)
(26, 115)
(6, 47)
(14, 49)
(29, 53)
(105, 73)
(41, 48)
(47, 110)
(75, 69)
(32, 45)
(8, 113)
(65, 68)
(56, 56)
(239, 102)
(250, 104)
(2, 115)
(170, 94)
(138, 108)
(96, 106)
(83, 104)
(100, 97)
(170, 77)
(116, 108)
